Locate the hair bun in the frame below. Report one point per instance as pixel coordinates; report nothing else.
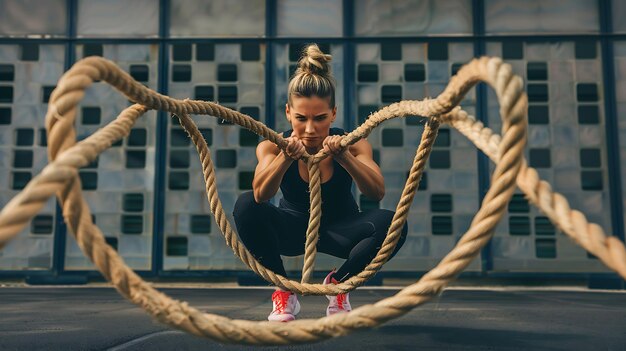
(314, 61)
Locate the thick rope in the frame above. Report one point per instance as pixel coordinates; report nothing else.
(590, 236)
(315, 210)
(60, 177)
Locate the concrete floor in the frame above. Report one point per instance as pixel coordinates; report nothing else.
(97, 318)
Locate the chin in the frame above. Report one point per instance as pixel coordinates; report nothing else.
(309, 143)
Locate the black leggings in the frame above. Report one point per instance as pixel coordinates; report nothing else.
(269, 231)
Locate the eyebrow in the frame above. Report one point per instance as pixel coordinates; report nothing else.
(320, 115)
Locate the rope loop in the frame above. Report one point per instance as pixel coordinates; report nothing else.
(66, 156)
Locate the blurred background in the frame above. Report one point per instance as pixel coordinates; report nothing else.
(147, 192)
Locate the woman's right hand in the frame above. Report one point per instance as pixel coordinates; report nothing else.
(295, 148)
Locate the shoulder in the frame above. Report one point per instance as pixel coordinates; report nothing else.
(267, 147)
(362, 148)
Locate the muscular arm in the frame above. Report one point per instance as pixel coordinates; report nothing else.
(269, 171)
(359, 162)
(272, 166)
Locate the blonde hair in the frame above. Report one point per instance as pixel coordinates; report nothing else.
(313, 76)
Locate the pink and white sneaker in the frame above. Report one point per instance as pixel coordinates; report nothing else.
(285, 306)
(339, 303)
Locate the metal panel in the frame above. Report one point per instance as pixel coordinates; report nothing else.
(119, 186)
(447, 201)
(232, 74)
(565, 144)
(28, 73)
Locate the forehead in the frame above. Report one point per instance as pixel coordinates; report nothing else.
(310, 105)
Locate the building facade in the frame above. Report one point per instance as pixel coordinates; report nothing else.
(147, 193)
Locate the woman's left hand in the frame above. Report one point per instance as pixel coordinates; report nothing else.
(332, 146)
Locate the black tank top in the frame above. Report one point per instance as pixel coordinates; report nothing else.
(337, 199)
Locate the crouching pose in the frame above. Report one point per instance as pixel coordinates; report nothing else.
(269, 231)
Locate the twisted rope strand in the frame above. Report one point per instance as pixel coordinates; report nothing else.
(66, 156)
(315, 214)
(590, 236)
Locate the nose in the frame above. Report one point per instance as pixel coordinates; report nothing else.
(309, 128)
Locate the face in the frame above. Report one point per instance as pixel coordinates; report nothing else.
(310, 118)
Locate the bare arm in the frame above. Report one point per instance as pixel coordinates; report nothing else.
(272, 166)
(359, 162)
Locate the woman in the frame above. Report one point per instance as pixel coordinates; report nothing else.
(269, 231)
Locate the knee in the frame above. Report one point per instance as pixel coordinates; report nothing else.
(387, 216)
(245, 207)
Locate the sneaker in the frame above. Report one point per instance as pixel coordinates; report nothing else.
(285, 306)
(339, 303)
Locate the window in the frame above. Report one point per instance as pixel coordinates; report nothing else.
(178, 181)
(132, 224)
(441, 203)
(441, 225)
(91, 115)
(5, 114)
(391, 51)
(140, 73)
(512, 50)
(7, 73)
(205, 52)
(135, 159)
(392, 137)
(227, 94)
(30, 52)
(42, 224)
(23, 159)
(518, 204)
(227, 73)
(179, 159)
(89, 180)
(391, 93)
(438, 51)
(137, 137)
(414, 72)
(178, 137)
(92, 50)
(519, 225)
(200, 224)
(587, 92)
(205, 93)
(367, 73)
(245, 180)
(181, 73)
(133, 202)
(440, 159)
(181, 52)
(537, 92)
(24, 137)
(538, 114)
(226, 159)
(176, 246)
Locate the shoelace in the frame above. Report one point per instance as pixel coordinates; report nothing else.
(280, 298)
(340, 299)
